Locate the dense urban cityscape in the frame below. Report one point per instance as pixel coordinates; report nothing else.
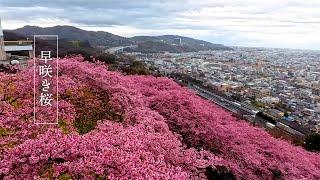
(281, 82)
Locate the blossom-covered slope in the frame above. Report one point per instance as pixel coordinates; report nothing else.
(135, 127)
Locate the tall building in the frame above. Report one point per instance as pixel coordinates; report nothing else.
(177, 41)
(2, 51)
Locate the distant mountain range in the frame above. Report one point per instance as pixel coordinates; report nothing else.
(100, 39)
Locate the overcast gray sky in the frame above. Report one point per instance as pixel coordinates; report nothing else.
(267, 23)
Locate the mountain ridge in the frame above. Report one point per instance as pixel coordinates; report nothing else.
(104, 39)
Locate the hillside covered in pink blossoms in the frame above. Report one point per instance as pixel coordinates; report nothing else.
(113, 126)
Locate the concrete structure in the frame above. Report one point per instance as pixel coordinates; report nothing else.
(18, 48)
(2, 50)
(15, 46)
(8, 49)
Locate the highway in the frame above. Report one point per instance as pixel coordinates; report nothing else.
(118, 49)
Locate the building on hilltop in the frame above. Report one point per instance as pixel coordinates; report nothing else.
(177, 41)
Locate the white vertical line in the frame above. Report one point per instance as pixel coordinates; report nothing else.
(57, 79)
(34, 79)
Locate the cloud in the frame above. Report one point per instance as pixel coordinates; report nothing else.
(272, 23)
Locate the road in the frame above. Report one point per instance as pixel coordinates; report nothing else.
(119, 48)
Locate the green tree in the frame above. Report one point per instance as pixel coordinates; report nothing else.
(107, 58)
(312, 142)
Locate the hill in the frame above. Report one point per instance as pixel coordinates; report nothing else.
(72, 33)
(104, 39)
(175, 43)
(134, 127)
(66, 46)
(12, 36)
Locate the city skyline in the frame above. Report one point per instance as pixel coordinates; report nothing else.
(285, 24)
